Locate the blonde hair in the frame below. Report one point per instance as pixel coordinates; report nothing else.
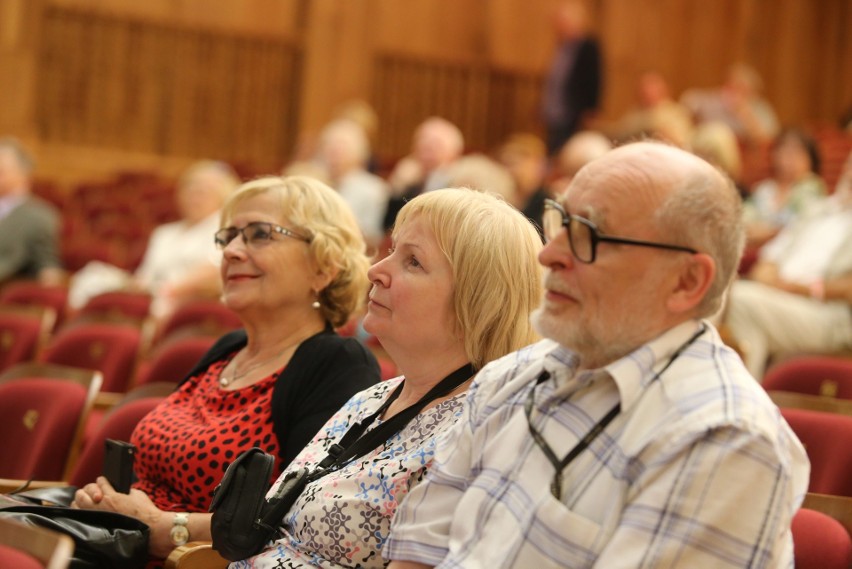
(493, 251)
(336, 245)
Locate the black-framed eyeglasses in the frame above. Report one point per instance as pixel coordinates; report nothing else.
(255, 234)
(584, 236)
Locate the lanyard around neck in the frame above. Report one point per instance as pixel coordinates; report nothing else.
(558, 464)
(354, 445)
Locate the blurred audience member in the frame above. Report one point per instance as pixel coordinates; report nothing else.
(580, 149)
(437, 143)
(716, 143)
(795, 185)
(572, 91)
(481, 173)
(800, 295)
(29, 226)
(180, 260)
(525, 156)
(364, 115)
(738, 102)
(343, 151)
(655, 115)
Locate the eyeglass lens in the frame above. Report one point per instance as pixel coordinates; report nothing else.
(253, 234)
(579, 234)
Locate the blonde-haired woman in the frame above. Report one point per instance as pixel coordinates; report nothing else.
(293, 268)
(455, 292)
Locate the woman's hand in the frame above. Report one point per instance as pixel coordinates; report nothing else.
(100, 495)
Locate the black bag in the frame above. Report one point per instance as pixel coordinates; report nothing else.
(243, 519)
(102, 540)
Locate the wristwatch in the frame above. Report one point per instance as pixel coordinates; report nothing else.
(179, 533)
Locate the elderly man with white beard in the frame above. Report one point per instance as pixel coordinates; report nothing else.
(631, 436)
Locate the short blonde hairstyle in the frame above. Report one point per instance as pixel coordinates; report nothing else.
(493, 251)
(336, 246)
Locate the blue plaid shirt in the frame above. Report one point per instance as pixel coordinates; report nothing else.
(697, 470)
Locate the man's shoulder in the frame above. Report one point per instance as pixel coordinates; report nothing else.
(710, 388)
(36, 208)
(501, 378)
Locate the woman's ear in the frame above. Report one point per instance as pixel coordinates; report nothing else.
(323, 278)
(694, 279)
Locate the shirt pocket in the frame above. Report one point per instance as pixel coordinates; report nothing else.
(559, 537)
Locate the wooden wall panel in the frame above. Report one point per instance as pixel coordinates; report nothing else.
(165, 79)
(429, 28)
(274, 18)
(141, 86)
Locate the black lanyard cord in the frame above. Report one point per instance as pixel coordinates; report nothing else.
(560, 465)
(355, 443)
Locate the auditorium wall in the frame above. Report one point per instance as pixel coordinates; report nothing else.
(98, 85)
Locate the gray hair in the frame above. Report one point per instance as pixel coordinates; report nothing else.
(706, 214)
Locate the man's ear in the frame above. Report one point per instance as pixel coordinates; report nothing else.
(693, 280)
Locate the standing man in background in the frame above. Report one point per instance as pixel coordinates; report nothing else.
(29, 227)
(572, 91)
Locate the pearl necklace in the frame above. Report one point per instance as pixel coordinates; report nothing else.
(225, 382)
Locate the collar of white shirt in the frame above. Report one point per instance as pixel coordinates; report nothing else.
(634, 372)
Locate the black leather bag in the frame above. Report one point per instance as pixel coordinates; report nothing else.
(102, 540)
(243, 519)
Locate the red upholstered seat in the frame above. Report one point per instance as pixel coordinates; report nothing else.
(23, 331)
(42, 413)
(11, 556)
(118, 303)
(27, 547)
(820, 541)
(118, 424)
(171, 362)
(826, 437)
(31, 293)
(111, 349)
(829, 376)
(209, 317)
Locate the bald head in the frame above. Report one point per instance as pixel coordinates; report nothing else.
(437, 142)
(581, 149)
(689, 202)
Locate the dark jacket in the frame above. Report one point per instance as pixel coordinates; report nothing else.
(324, 372)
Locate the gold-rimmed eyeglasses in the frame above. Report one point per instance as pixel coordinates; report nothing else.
(255, 234)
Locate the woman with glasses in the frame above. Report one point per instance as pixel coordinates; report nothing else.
(293, 268)
(454, 293)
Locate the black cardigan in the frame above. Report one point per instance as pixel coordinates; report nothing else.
(324, 372)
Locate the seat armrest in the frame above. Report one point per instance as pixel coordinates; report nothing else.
(838, 507)
(196, 555)
(8, 485)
